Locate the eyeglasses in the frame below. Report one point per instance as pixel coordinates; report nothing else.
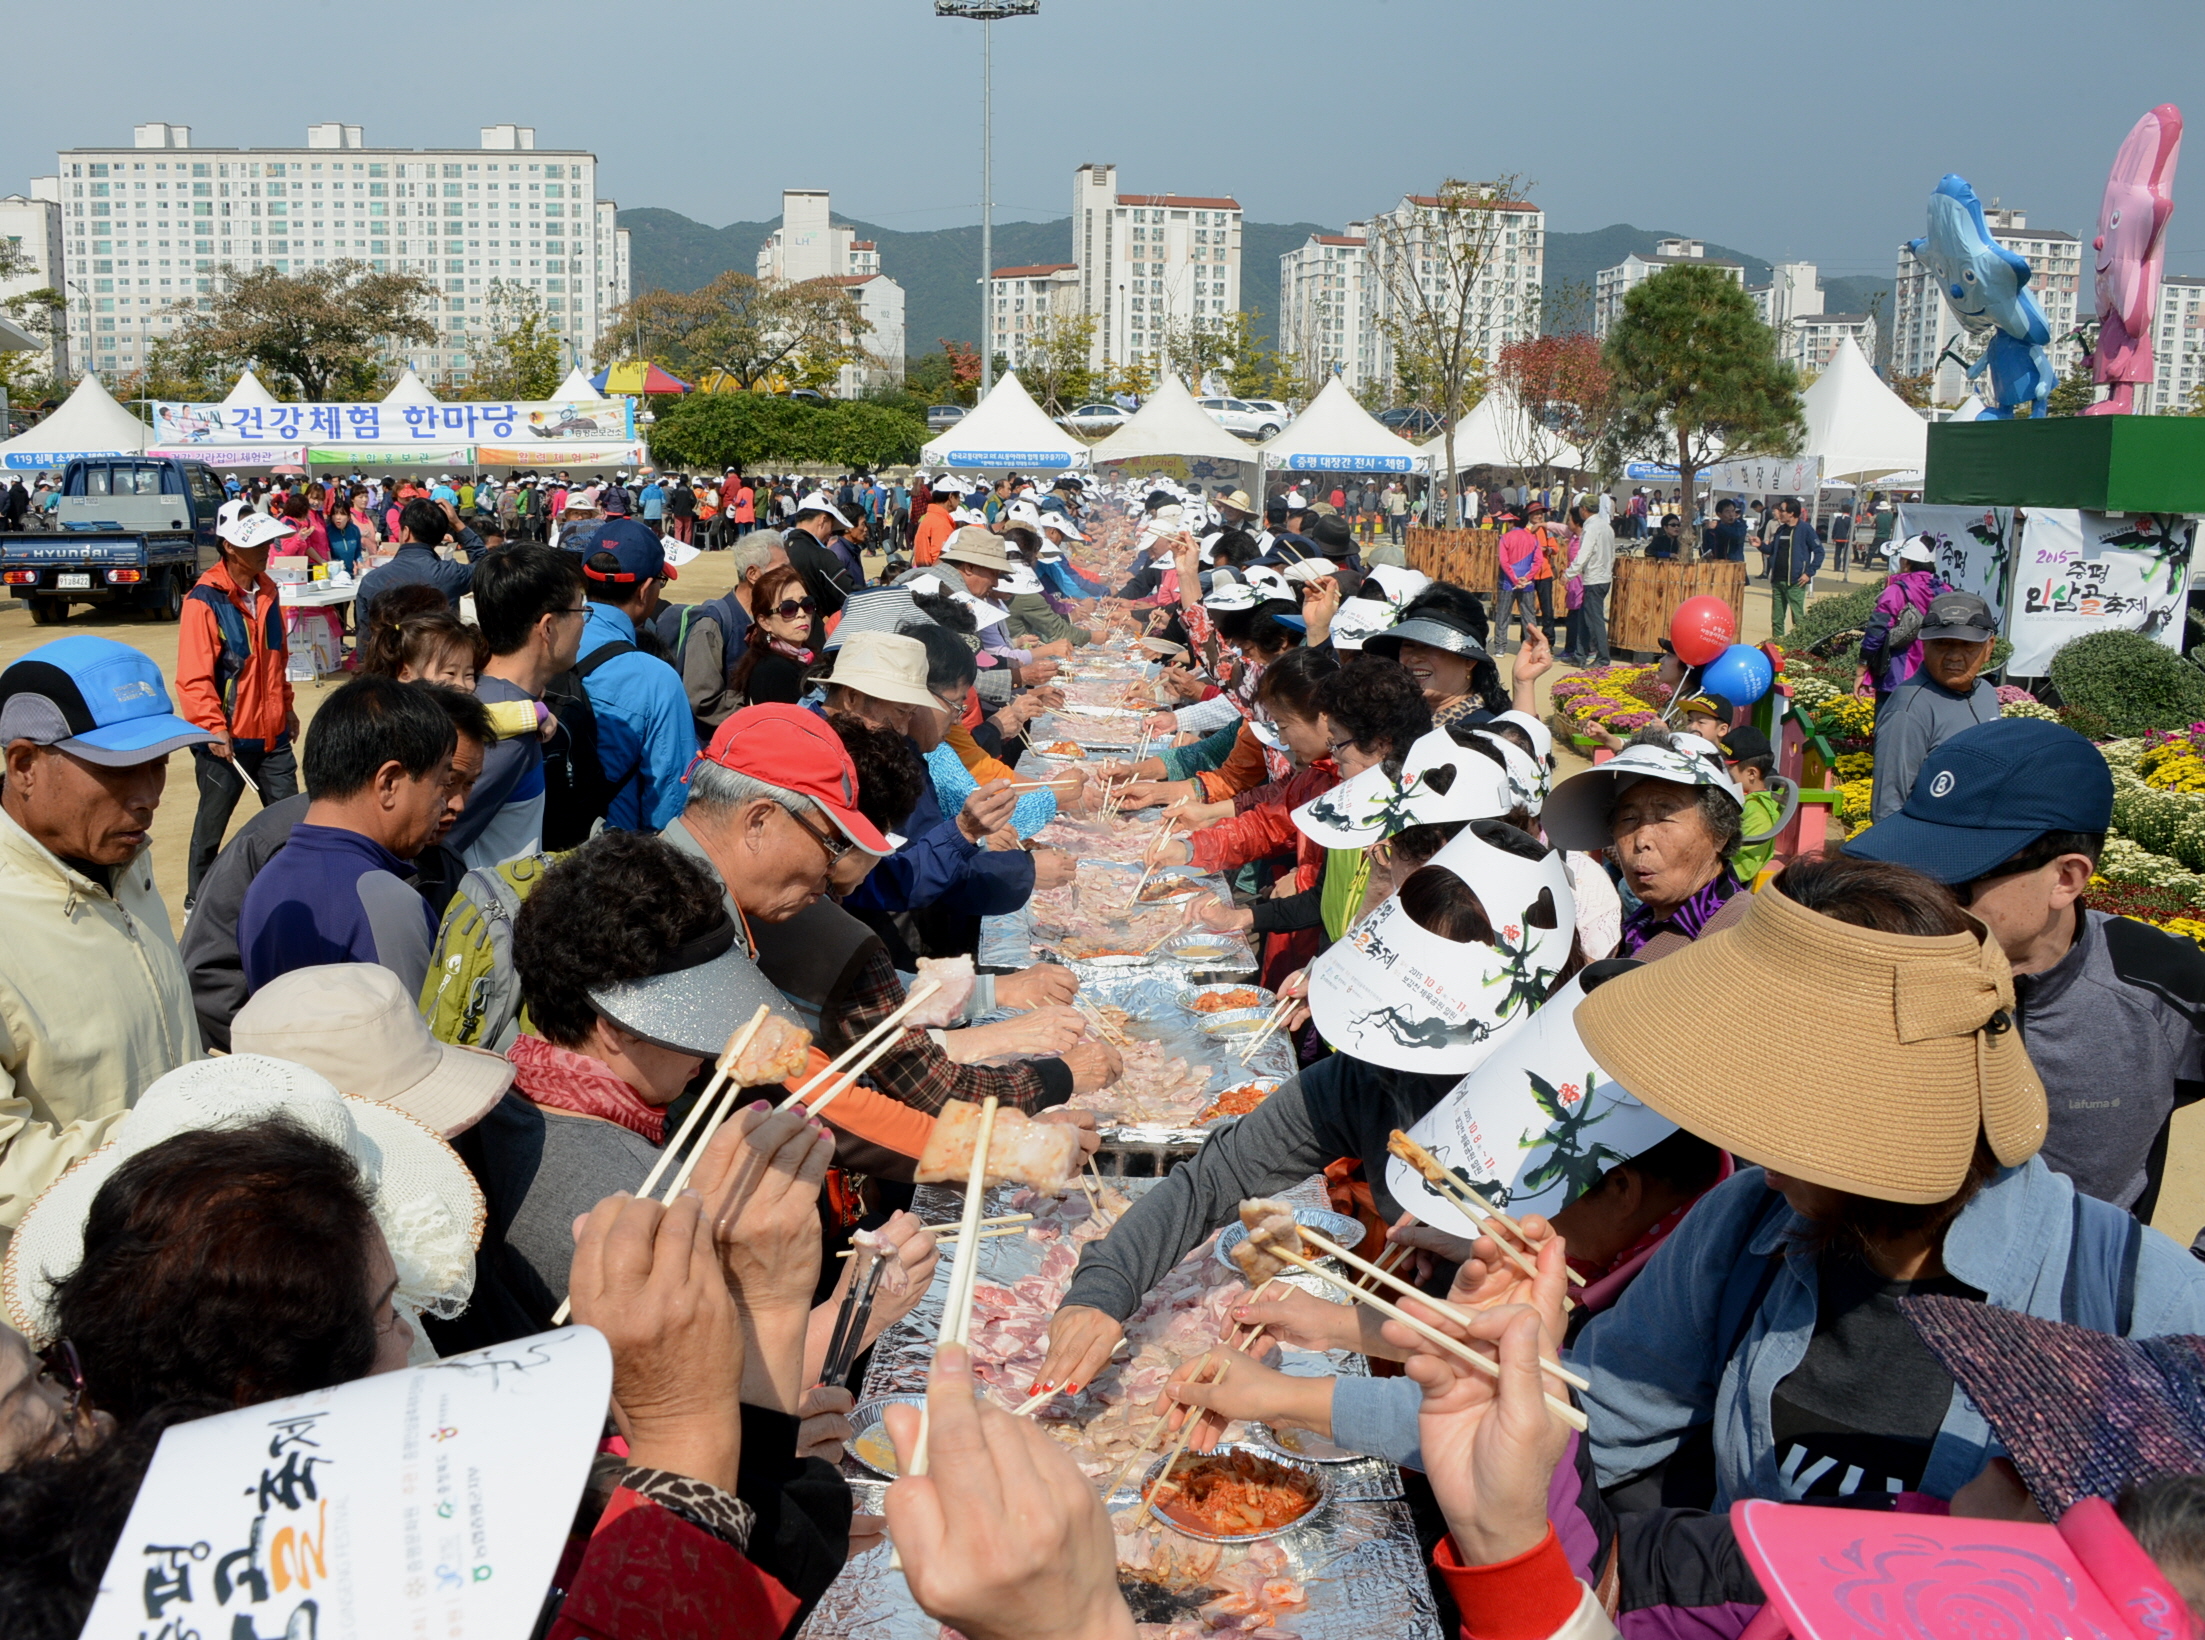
(576, 609)
(789, 608)
(833, 847)
(59, 1359)
(1336, 747)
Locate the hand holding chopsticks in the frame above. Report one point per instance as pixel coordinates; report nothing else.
(1482, 1212)
(855, 1060)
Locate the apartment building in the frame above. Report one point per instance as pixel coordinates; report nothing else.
(1922, 325)
(1611, 285)
(31, 224)
(1412, 249)
(1325, 318)
(1150, 263)
(1023, 302)
(810, 244)
(2178, 348)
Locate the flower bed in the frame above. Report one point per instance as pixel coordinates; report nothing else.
(1621, 699)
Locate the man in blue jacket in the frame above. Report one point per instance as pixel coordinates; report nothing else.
(645, 734)
(1795, 553)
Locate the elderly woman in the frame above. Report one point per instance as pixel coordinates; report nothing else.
(1670, 812)
(1441, 639)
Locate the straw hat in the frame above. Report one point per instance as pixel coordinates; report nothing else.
(977, 547)
(1927, 1052)
(354, 1023)
(885, 665)
(426, 1202)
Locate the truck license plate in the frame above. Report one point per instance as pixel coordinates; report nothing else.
(69, 583)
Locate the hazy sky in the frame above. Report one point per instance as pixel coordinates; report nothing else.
(1782, 129)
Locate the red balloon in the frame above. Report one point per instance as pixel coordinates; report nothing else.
(1702, 629)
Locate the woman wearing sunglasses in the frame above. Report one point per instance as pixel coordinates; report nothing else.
(770, 666)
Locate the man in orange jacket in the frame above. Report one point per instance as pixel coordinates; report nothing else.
(937, 526)
(230, 680)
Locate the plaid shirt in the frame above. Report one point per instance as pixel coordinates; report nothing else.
(916, 1072)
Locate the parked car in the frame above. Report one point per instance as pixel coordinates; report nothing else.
(1271, 410)
(941, 417)
(1410, 421)
(1240, 416)
(1095, 418)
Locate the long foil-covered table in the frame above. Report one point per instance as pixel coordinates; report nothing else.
(1356, 1556)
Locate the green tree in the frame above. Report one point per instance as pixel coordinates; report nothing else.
(1696, 374)
(1056, 371)
(325, 331)
(2077, 391)
(1253, 371)
(522, 357)
(36, 313)
(1914, 390)
(1440, 302)
(754, 332)
(708, 431)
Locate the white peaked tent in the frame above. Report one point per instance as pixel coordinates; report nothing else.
(1857, 428)
(1334, 434)
(1170, 423)
(1006, 430)
(411, 389)
(1971, 409)
(1498, 433)
(577, 389)
(249, 394)
(88, 423)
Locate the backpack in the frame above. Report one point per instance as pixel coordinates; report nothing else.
(472, 995)
(577, 791)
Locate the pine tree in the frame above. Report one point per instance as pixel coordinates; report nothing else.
(1697, 376)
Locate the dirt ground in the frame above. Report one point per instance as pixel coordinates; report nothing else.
(2181, 1204)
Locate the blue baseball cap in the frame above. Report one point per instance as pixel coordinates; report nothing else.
(642, 555)
(95, 699)
(1988, 793)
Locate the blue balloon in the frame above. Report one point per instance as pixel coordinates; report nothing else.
(1741, 674)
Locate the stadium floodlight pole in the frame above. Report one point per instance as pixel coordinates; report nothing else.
(986, 12)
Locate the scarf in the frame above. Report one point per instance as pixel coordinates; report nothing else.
(562, 1079)
(790, 651)
(1688, 919)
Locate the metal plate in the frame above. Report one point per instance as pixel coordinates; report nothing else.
(73, 583)
(1307, 1519)
(865, 1417)
(1187, 998)
(1334, 1227)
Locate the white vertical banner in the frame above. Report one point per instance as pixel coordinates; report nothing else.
(1973, 552)
(2084, 572)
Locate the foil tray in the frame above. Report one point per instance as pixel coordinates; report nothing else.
(1357, 1555)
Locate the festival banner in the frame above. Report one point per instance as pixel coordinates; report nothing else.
(1767, 475)
(237, 455)
(544, 422)
(2084, 572)
(1973, 554)
(433, 455)
(432, 1501)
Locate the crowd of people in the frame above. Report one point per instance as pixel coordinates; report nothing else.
(397, 1091)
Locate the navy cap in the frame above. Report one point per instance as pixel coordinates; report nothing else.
(96, 699)
(1988, 793)
(642, 555)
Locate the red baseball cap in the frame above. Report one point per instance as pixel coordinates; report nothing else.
(796, 750)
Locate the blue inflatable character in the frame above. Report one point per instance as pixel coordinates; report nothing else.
(1986, 286)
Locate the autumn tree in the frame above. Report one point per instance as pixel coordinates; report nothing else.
(325, 331)
(1697, 375)
(521, 357)
(754, 332)
(1445, 296)
(1914, 390)
(1566, 394)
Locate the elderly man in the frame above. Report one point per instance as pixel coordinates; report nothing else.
(423, 526)
(981, 564)
(94, 1005)
(1947, 695)
(809, 543)
(1669, 812)
(704, 640)
(773, 811)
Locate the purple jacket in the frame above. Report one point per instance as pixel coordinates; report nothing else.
(1915, 587)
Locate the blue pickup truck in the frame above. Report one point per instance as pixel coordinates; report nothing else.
(130, 530)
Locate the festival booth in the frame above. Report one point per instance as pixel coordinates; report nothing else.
(87, 423)
(249, 394)
(1170, 426)
(1006, 432)
(1334, 434)
(1499, 432)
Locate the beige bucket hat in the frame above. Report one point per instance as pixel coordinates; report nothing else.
(977, 547)
(1922, 1052)
(354, 1023)
(885, 665)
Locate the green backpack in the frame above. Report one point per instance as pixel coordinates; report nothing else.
(472, 995)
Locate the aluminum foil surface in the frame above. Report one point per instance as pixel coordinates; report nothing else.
(1356, 1556)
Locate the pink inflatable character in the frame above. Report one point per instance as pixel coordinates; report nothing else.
(2131, 246)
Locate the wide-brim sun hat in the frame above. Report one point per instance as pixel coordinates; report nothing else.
(882, 609)
(355, 1024)
(885, 666)
(976, 546)
(1357, 620)
(1931, 1055)
(1440, 782)
(1430, 630)
(426, 1203)
(705, 990)
(1577, 810)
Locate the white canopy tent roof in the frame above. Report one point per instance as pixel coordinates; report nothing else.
(249, 394)
(1971, 409)
(1171, 424)
(1334, 434)
(411, 389)
(88, 423)
(15, 339)
(1006, 430)
(1499, 433)
(1856, 426)
(578, 389)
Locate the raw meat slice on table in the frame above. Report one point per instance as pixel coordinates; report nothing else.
(946, 1006)
(1045, 1155)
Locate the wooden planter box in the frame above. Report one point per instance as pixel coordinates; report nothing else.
(1466, 558)
(1648, 590)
